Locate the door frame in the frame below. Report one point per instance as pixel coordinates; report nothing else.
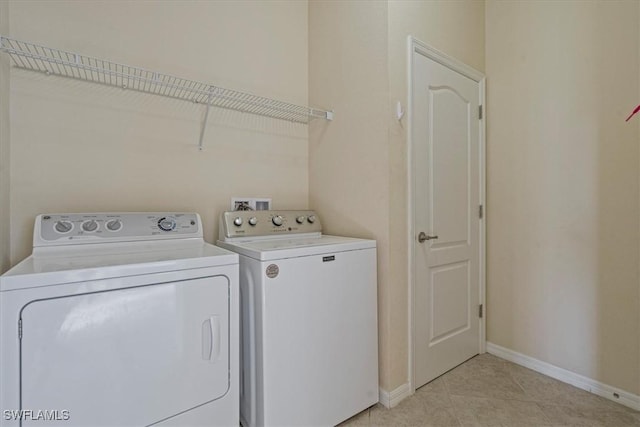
(419, 47)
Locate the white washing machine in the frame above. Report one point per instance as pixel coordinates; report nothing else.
(309, 337)
(120, 319)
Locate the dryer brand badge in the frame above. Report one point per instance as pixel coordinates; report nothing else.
(272, 271)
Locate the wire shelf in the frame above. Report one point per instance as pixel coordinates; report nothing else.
(48, 60)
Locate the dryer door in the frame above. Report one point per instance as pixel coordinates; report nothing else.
(132, 356)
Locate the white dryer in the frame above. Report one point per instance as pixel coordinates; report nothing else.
(309, 340)
(120, 319)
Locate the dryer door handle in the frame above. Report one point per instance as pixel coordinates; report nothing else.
(211, 339)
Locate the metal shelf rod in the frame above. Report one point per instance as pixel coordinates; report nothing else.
(34, 57)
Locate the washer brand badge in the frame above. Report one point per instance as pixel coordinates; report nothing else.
(272, 271)
(328, 258)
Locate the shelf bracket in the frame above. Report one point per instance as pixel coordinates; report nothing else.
(204, 122)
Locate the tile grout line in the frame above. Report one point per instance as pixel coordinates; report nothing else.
(504, 366)
(446, 385)
(523, 391)
(535, 402)
(539, 403)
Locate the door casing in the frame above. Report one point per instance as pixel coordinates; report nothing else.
(416, 46)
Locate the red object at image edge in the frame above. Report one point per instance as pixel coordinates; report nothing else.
(633, 113)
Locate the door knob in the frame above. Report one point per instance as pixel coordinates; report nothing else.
(422, 237)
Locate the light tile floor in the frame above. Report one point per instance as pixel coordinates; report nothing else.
(488, 391)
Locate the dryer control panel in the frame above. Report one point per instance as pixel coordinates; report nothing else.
(82, 228)
(268, 223)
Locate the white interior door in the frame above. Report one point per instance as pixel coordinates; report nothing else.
(446, 137)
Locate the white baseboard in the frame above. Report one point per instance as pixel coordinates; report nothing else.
(391, 398)
(612, 393)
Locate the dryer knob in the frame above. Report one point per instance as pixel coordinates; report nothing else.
(237, 221)
(90, 225)
(63, 226)
(300, 219)
(253, 220)
(311, 219)
(114, 225)
(277, 220)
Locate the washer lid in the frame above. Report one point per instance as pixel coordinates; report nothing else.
(271, 249)
(49, 266)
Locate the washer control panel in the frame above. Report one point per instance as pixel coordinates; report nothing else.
(85, 227)
(266, 223)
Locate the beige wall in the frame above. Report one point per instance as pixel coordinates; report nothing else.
(4, 145)
(348, 158)
(563, 282)
(357, 163)
(83, 147)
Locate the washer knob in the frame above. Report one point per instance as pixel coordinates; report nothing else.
(277, 220)
(114, 225)
(237, 221)
(253, 220)
(166, 224)
(63, 226)
(311, 219)
(300, 219)
(90, 225)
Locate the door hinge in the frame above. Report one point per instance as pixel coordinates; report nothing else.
(480, 211)
(20, 329)
(479, 112)
(480, 311)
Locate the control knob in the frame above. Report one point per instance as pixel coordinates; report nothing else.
(114, 225)
(300, 219)
(237, 221)
(277, 220)
(90, 226)
(166, 224)
(253, 220)
(311, 219)
(63, 226)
